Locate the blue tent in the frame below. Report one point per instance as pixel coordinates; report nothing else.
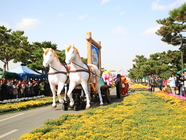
(23, 72)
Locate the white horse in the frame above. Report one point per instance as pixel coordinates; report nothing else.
(57, 74)
(82, 74)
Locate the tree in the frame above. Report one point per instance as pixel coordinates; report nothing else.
(165, 63)
(34, 58)
(159, 64)
(84, 60)
(173, 26)
(12, 44)
(138, 70)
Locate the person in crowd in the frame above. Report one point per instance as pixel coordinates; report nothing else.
(23, 87)
(41, 88)
(165, 82)
(28, 90)
(15, 90)
(36, 88)
(19, 89)
(24, 81)
(32, 88)
(178, 84)
(160, 83)
(4, 93)
(10, 89)
(47, 88)
(152, 84)
(184, 84)
(172, 83)
(181, 82)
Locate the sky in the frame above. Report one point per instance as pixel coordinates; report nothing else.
(125, 28)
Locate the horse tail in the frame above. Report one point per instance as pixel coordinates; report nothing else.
(97, 74)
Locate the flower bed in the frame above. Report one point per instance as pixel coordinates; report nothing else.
(9, 107)
(142, 116)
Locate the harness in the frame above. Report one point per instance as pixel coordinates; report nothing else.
(58, 72)
(91, 73)
(82, 70)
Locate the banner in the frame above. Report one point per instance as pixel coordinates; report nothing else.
(94, 55)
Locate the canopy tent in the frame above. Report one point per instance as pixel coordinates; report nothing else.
(179, 72)
(8, 75)
(40, 72)
(23, 72)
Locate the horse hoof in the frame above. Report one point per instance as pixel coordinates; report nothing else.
(88, 107)
(101, 104)
(61, 101)
(54, 106)
(71, 106)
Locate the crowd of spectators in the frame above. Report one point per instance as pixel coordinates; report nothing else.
(12, 89)
(176, 83)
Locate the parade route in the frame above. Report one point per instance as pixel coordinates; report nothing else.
(14, 125)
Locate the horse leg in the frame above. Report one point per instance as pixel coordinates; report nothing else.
(98, 87)
(65, 98)
(54, 105)
(69, 93)
(86, 90)
(60, 87)
(99, 93)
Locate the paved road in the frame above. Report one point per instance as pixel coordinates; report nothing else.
(13, 125)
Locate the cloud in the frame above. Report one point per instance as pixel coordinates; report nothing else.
(152, 30)
(104, 1)
(28, 23)
(61, 14)
(82, 17)
(156, 6)
(4, 24)
(123, 12)
(117, 30)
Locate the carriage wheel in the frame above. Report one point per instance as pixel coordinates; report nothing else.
(119, 86)
(76, 107)
(65, 106)
(107, 95)
(82, 104)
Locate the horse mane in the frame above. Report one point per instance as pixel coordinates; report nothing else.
(70, 46)
(54, 53)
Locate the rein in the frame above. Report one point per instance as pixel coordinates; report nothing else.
(84, 69)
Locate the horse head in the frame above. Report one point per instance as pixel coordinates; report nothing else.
(47, 56)
(71, 52)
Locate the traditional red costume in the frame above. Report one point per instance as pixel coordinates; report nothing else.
(125, 85)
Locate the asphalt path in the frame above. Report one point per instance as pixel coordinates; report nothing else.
(14, 125)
